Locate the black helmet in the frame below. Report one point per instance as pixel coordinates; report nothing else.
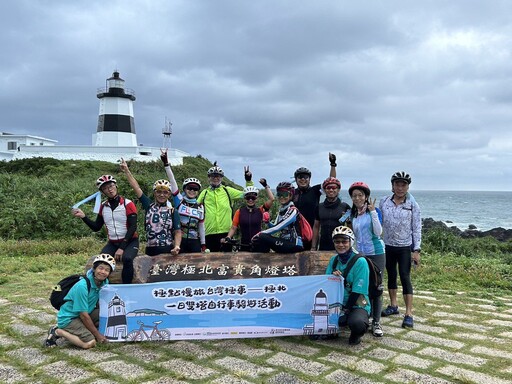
(401, 175)
(285, 186)
(302, 171)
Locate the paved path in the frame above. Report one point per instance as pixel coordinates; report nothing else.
(457, 338)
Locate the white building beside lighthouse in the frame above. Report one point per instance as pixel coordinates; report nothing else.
(114, 138)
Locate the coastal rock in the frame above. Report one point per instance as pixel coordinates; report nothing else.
(499, 233)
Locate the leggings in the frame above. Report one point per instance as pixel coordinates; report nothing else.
(190, 245)
(400, 256)
(376, 302)
(276, 244)
(130, 252)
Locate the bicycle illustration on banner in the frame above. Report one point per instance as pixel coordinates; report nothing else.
(155, 335)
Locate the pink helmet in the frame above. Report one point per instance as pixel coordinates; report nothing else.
(359, 185)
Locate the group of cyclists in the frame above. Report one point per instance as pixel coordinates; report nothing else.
(202, 219)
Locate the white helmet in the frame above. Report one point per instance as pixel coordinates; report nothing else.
(105, 179)
(191, 180)
(162, 184)
(251, 189)
(105, 258)
(215, 170)
(343, 231)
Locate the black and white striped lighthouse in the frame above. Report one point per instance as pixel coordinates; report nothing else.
(116, 127)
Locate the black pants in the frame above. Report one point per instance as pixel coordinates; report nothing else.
(214, 245)
(130, 252)
(400, 256)
(264, 240)
(190, 246)
(155, 251)
(357, 322)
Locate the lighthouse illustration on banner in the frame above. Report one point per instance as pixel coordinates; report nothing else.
(117, 328)
(320, 313)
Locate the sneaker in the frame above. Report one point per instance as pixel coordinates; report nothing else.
(390, 310)
(51, 339)
(377, 330)
(408, 322)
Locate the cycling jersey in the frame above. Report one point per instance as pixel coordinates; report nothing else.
(306, 200)
(161, 221)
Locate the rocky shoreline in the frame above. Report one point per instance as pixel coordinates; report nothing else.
(499, 233)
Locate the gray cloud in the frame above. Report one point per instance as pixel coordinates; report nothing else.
(277, 84)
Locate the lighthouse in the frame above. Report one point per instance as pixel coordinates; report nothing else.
(116, 127)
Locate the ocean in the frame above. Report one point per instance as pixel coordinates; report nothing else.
(485, 210)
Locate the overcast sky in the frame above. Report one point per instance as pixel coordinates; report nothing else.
(386, 85)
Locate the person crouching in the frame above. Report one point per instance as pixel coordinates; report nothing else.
(356, 303)
(78, 317)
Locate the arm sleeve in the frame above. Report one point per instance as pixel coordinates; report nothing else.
(172, 180)
(176, 222)
(352, 299)
(202, 233)
(131, 221)
(376, 225)
(416, 226)
(94, 225)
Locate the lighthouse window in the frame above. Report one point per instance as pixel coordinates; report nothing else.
(118, 309)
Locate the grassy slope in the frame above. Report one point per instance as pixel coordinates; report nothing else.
(42, 239)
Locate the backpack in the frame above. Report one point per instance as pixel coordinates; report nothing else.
(62, 288)
(375, 287)
(306, 232)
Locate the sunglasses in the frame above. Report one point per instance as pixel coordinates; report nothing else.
(341, 241)
(193, 189)
(331, 187)
(250, 197)
(283, 194)
(215, 175)
(303, 176)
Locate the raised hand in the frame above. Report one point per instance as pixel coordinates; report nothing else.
(332, 159)
(123, 166)
(163, 156)
(263, 182)
(371, 204)
(247, 174)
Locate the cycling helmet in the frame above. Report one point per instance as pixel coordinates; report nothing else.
(359, 185)
(401, 175)
(285, 186)
(248, 190)
(215, 169)
(344, 232)
(191, 180)
(330, 181)
(105, 179)
(302, 171)
(105, 258)
(162, 185)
